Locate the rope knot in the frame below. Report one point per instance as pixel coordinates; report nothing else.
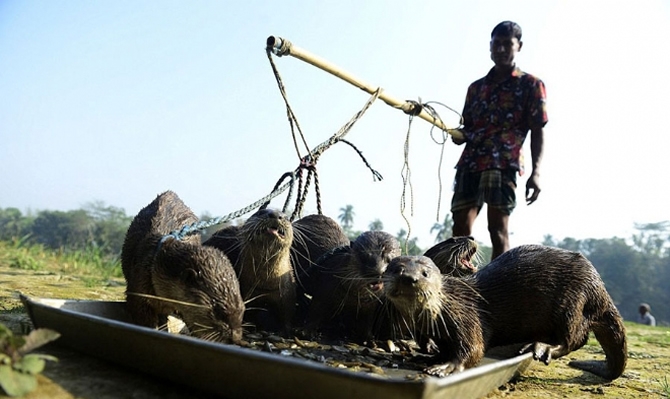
(412, 108)
(307, 162)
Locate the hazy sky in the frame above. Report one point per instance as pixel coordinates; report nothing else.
(117, 101)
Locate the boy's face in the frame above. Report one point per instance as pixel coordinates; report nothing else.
(503, 49)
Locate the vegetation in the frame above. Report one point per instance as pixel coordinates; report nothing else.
(646, 373)
(633, 273)
(88, 241)
(18, 369)
(443, 230)
(81, 264)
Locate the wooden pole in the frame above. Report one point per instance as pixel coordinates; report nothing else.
(281, 47)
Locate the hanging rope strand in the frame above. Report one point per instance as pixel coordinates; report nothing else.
(292, 119)
(432, 112)
(375, 175)
(405, 173)
(263, 202)
(310, 160)
(313, 156)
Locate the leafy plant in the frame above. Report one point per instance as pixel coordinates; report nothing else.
(18, 370)
(665, 386)
(24, 261)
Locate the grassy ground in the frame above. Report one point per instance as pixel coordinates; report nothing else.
(40, 273)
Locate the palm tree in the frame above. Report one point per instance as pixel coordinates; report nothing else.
(376, 225)
(347, 216)
(443, 229)
(408, 247)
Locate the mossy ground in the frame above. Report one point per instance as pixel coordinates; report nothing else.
(647, 373)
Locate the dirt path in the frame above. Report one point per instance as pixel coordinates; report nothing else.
(82, 377)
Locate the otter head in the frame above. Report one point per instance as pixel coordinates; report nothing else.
(268, 230)
(373, 251)
(202, 287)
(413, 285)
(454, 256)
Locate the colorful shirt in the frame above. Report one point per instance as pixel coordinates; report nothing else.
(496, 119)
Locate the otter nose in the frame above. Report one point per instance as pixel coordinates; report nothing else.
(408, 279)
(271, 213)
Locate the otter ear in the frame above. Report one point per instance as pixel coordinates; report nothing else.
(169, 257)
(190, 275)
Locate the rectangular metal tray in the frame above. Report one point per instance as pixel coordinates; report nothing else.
(101, 329)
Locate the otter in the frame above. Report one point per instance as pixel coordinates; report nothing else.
(260, 252)
(454, 255)
(346, 286)
(165, 275)
(314, 236)
(545, 298)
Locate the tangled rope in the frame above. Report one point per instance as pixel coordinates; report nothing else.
(415, 108)
(307, 162)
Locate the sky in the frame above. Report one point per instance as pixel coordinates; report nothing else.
(118, 101)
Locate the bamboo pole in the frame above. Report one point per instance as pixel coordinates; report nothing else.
(281, 47)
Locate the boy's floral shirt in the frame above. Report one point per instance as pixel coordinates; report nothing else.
(497, 118)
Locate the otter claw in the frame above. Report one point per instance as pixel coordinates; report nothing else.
(541, 351)
(442, 370)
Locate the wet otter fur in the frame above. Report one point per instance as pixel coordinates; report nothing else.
(260, 252)
(545, 298)
(314, 236)
(197, 283)
(454, 255)
(346, 286)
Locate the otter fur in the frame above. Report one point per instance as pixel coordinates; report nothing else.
(314, 236)
(260, 252)
(454, 255)
(165, 275)
(346, 286)
(545, 298)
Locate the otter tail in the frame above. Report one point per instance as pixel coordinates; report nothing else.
(611, 334)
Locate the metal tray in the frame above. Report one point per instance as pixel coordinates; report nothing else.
(101, 329)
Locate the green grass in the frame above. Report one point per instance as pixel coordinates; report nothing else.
(24, 261)
(87, 262)
(665, 386)
(659, 336)
(14, 309)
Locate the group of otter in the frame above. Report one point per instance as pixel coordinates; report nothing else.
(307, 277)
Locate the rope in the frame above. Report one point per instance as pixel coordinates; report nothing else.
(308, 161)
(406, 173)
(432, 112)
(196, 227)
(292, 119)
(375, 175)
(290, 193)
(414, 109)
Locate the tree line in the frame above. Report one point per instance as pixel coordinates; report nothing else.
(635, 270)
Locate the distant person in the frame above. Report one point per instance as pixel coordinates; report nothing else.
(499, 110)
(645, 316)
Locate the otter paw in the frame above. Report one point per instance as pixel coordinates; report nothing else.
(431, 347)
(541, 351)
(443, 370)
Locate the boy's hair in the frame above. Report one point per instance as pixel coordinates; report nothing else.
(507, 28)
